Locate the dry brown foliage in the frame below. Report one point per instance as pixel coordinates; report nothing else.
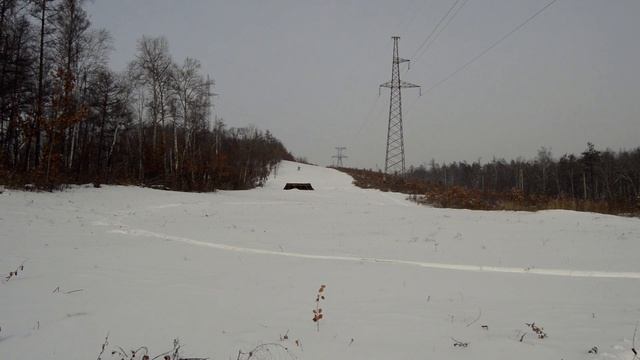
(458, 197)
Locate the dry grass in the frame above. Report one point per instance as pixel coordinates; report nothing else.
(458, 197)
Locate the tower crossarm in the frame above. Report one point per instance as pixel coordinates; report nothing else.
(403, 84)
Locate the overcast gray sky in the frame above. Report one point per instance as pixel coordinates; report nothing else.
(309, 71)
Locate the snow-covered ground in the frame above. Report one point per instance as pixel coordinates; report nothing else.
(230, 270)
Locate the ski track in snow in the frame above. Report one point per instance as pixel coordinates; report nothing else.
(430, 265)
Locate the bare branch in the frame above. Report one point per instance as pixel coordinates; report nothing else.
(104, 346)
(476, 319)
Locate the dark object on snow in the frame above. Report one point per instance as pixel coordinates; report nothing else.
(299, 186)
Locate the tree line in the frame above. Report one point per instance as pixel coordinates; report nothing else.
(66, 117)
(594, 175)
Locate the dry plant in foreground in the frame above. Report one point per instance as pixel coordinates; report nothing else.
(317, 312)
(13, 274)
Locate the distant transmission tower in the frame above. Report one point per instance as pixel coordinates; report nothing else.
(339, 156)
(394, 161)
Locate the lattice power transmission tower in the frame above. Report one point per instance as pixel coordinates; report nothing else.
(394, 161)
(339, 156)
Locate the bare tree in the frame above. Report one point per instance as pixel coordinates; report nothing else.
(42, 11)
(154, 65)
(191, 91)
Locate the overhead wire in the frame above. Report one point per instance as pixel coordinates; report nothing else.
(435, 37)
(367, 117)
(491, 47)
(435, 28)
(435, 33)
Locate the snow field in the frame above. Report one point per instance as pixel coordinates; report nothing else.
(230, 270)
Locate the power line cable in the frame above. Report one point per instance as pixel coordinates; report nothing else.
(442, 19)
(491, 47)
(435, 37)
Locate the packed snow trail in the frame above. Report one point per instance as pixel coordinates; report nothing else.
(431, 265)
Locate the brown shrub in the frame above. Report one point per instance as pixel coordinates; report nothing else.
(458, 197)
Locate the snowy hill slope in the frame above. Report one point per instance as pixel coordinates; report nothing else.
(230, 270)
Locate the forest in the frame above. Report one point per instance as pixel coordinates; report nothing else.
(66, 117)
(596, 180)
(592, 175)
